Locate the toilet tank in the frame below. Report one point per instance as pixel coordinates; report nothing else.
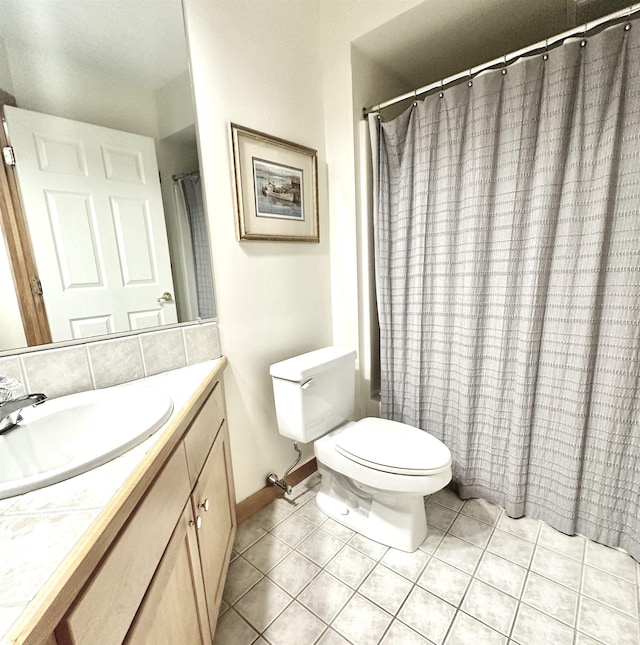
(314, 392)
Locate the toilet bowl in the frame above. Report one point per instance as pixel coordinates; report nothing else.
(375, 472)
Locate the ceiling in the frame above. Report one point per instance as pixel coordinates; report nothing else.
(439, 38)
(140, 40)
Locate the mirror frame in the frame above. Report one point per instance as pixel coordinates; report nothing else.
(19, 249)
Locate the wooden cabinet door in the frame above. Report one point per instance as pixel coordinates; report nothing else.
(214, 502)
(174, 609)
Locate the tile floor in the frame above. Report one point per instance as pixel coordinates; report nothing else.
(297, 578)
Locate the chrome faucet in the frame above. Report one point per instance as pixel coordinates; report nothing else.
(10, 410)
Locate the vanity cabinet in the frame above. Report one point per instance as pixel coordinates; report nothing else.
(161, 581)
(214, 509)
(174, 609)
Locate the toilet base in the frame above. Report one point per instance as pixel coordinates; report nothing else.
(396, 519)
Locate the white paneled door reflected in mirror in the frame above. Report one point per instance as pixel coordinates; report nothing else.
(102, 217)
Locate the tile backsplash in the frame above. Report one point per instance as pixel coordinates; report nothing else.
(102, 363)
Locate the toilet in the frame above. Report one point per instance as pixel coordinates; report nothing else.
(375, 472)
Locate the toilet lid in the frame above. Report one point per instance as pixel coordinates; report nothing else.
(393, 447)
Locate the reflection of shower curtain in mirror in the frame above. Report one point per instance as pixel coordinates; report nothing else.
(192, 192)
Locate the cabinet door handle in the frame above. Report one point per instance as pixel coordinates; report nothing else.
(197, 523)
(204, 505)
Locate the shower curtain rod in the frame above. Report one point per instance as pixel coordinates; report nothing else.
(184, 175)
(507, 58)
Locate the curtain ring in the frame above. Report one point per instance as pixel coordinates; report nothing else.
(470, 83)
(415, 98)
(504, 68)
(441, 88)
(628, 25)
(583, 42)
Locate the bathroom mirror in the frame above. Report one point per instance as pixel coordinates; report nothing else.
(113, 67)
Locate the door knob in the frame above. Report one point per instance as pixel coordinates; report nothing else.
(204, 505)
(165, 297)
(197, 523)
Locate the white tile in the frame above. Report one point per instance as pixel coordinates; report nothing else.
(247, 534)
(427, 614)
(446, 497)
(523, 527)
(293, 573)
(459, 553)
(115, 361)
(202, 342)
(445, 581)
(400, 634)
(271, 515)
(295, 625)
(433, 539)
(233, 630)
(361, 621)
(262, 604)
(534, 628)
(409, 565)
(606, 624)
(57, 372)
(320, 547)
(611, 560)
(491, 606)
(556, 567)
(482, 510)
(350, 566)
(340, 531)
(266, 553)
(373, 549)
(162, 351)
(325, 596)
(9, 615)
(467, 630)
(293, 530)
(610, 590)
(582, 639)
(511, 547)
(472, 530)
(569, 546)
(37, 543)
(331, 637)
(312, 513)
(439, 516)
(501, 574)
(240, 578)
(386, 588)
(551, 598)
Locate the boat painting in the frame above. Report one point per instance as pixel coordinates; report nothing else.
(278, 190)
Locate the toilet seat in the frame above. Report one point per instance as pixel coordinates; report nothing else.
(393, 447)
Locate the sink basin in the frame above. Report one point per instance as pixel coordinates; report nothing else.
(67, 436)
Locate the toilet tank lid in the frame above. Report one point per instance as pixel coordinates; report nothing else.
(304, 366)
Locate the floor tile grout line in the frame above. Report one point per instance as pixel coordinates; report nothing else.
(430, 555)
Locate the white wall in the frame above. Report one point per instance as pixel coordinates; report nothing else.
(6, 82)
(342, 23)
(257, 63)
(64, 88)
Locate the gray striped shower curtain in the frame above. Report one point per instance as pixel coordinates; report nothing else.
(507, 227)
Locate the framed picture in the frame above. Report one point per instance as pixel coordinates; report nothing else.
(276, 188)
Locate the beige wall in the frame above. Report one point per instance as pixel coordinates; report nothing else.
(257, 63)
(342, 23)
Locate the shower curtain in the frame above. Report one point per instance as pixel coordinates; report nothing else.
(507, 224)
(192, 192)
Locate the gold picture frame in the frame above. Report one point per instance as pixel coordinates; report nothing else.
(276, 188)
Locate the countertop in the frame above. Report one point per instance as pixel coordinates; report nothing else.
(41, 530)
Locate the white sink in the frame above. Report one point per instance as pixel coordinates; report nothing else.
(67, 436)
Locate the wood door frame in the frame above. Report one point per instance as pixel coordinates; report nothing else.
(19, 249)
